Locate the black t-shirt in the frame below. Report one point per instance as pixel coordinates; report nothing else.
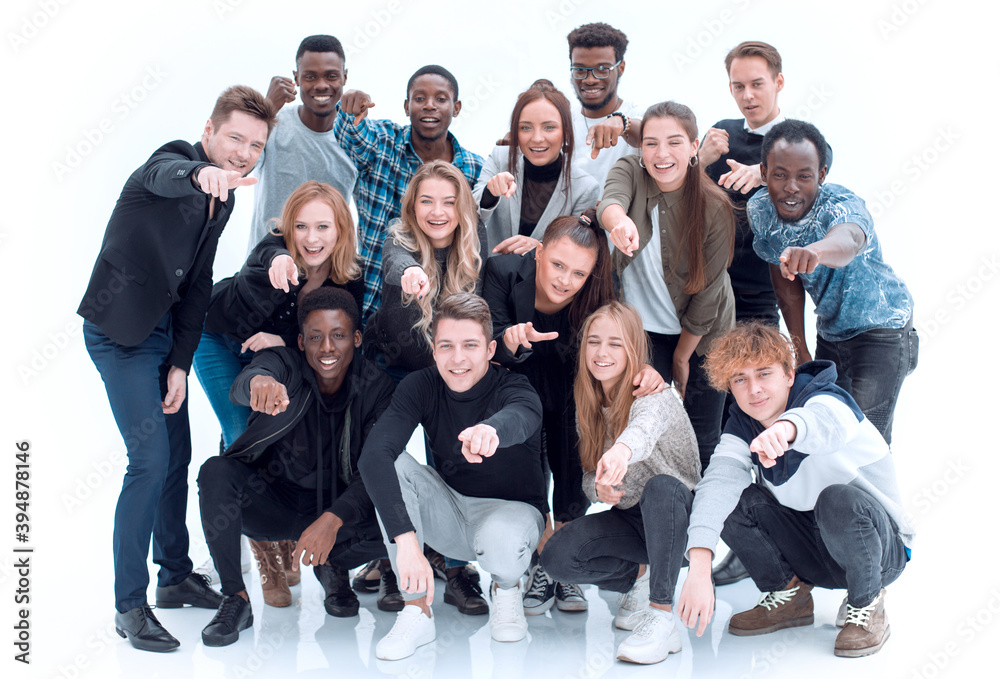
(501, 399)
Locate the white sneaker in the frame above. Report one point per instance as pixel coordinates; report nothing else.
(632, 602)
(842, 613)
(540, 592)
(208, 567)
(655, 637)
(507, 621)
(412, 629)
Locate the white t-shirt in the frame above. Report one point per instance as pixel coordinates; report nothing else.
(646, 289)
(599, 168)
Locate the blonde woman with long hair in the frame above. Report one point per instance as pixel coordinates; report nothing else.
(639, 455)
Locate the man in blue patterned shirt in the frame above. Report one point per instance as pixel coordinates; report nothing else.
(819, 238)
(387, 155)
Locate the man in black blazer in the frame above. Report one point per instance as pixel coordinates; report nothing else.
(143, 311)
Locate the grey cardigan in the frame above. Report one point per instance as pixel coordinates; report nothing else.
(662, 441)
(504, 218)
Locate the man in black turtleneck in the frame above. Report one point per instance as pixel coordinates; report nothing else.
(293, 475)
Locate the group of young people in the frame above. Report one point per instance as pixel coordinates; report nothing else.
(565, 319)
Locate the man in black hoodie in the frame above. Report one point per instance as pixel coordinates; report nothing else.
(293, 475)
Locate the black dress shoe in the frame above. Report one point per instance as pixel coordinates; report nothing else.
(340, 601)
(730, 570)
(389, 597)
(143, 630)
(234, 616)
(466, 595)
(439, 566)
(193, 590)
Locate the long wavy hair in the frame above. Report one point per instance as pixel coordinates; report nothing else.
(464, 260)
(593, 426)
(699, 192)
(345, 264)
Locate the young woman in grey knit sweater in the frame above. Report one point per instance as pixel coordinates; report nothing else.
(640, 456)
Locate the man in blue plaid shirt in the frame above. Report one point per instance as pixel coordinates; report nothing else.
(387, 155)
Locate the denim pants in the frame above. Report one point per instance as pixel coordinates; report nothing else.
(606, 548)
(871, 367)
(703, 403)
(153, 498)
(217, 362)
(235, 499)
(500, 534)
(846, 541)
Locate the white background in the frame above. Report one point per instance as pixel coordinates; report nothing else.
(903, 90)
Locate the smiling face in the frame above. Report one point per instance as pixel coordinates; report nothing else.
(315, 233)
(793, 178)
(666, 152)
(462, 353)
(540, 132)
(562, 269)
(236, 143)
(596, 94)
(605, 352)
(762, 392)
(435, 208)
(755, 89)
(328, 340)
(320, 77)
(430, 106)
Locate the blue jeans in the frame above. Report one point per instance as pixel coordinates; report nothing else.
(153, 499)
(217, 362)
(606, 548)
(846, 541)
(871, 367)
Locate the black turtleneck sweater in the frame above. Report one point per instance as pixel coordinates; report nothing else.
(501, 399)
(539, 184)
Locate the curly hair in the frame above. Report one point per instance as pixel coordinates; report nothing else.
(793, 131)
(750, 343)
(598, 35)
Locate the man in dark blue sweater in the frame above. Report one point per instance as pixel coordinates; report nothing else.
(485, 498)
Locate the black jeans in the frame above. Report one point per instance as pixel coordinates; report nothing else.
(606, 548)
(871, 367)
(703, 403)
(236, 498)
(847, 541)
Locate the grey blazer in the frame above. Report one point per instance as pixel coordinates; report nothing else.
(503, 219)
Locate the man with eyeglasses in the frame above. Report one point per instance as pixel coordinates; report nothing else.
(606, 126)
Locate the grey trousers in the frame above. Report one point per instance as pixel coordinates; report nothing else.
(500, 534)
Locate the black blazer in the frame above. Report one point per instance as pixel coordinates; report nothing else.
(509, 289)
(157, 254)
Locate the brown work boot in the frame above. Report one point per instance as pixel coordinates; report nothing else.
(866, 630)
(272, 573)
(287, 548)
(792, 607)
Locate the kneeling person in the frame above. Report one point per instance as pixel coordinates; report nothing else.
(486, 499)
(825, 511)
(293, 475)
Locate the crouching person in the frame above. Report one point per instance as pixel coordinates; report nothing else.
(825, 510)
(639, 455)
(485, 498)
(293, 474)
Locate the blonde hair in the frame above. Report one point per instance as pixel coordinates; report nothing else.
(344, 260)
(464, 259)
(588, 393)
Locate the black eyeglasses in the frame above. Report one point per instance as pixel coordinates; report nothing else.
(601, 72)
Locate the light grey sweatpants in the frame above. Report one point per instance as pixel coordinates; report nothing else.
(500, 534)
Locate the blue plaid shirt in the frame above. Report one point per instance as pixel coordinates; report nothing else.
(386, 161)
